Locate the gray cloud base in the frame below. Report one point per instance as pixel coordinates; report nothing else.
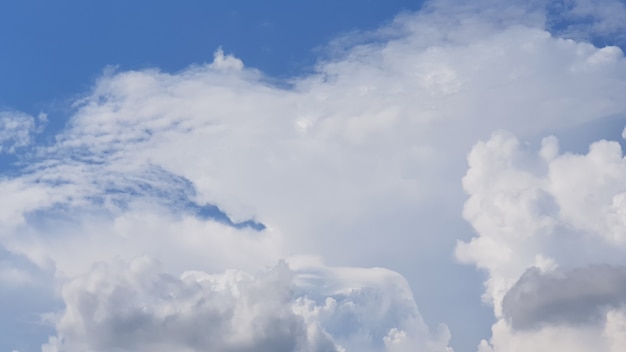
(140, 309)
(137, 307)
(565, 296)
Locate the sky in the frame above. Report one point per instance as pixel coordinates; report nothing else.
(321, 176)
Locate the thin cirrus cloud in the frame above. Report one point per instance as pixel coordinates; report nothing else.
(358, 163)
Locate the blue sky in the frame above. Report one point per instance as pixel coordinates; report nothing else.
(54, 51)
(312, 176)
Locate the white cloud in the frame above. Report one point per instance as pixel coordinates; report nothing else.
(358, 162)
(16, 130)
(376, 125)
(137, 307)
(589, 19)
(558, 213)
(606, 337)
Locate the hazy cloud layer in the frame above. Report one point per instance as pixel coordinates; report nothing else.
(589, 19)
(16, 130)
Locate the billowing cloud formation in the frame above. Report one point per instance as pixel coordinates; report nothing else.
(607, 337)
(136, 307)
(366, 132)
(358, 162)
(547, 210)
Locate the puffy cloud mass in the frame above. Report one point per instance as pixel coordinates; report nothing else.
(216, 172)
(361, 147)
(137, 307)
(550, 231)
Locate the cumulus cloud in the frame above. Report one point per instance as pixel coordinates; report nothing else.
(365, 132)
(357, 162)
(607, 337)
(137, 307)
(545, 221)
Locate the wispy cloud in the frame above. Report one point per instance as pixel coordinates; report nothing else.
(17, 130)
